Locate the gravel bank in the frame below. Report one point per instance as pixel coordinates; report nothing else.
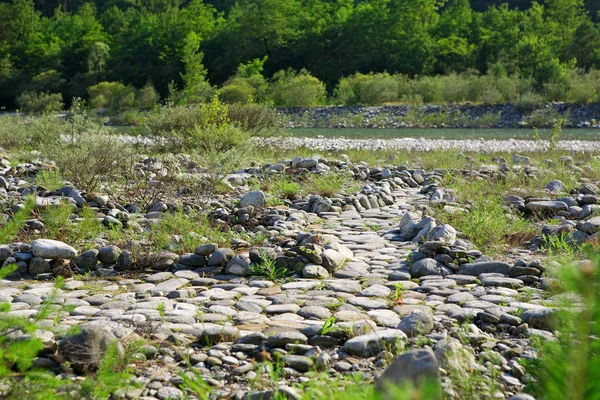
(480, 145)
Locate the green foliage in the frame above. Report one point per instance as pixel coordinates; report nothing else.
(146, 97)
(51, 180)
(565, 368)
(370, 89)
(487, 223)
(518, 50)
(292, 89)
(328, 325)
(112, 95)
(266, 268)
(40, 103)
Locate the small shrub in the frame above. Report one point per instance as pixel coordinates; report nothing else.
(370, 89)
(51, 180)
(266, 268)
(40, 103)
(112, 95)
(254, 118)
(146, 97)
(297, 89)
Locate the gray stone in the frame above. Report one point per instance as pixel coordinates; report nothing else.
(555, 186)
(52, 249)
(540, 317)
(332, 260)
(86, 349)
(299, 363)
(254, 198)
(282, 338)
(591, 226)
(444, 233)
(416, 323)
(206, 249)
(192, 260)
(428, 266)
(39, 265)
(109, 255)
(169, 393)
(217, 334)
(484, 267)
(374, 342)
(546, 207)
(314, 312)
(86, 260)
(221, 257)
(413, 367)
(312, 271)
(238, 265)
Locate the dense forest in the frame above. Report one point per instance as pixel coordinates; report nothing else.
(67, 46)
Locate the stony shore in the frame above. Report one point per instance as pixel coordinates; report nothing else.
(374, 273)
(422, 144)
(448, 116)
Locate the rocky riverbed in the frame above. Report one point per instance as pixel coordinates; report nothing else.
(370, 277)
(448, 116)
(422, 144)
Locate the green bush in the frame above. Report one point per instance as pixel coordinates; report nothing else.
(237, 91)
(112, 95)
(255, 118)
(179, 121)
(40, 103)
(369, 89)
(146, 97)
(297, 89)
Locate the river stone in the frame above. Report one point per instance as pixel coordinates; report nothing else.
(540, 317)
(109, 254)
(444, 233)
(546, 207)
(5, 252)
(288, 337)
(206, 249)
(217, 334)
(591, 226)
(254, 198)
(238, 265)
(414, 367)
(299, 363)
(86, 349)
(39, 265)
(332, 260)
(374, 342)
(555, 186)
(312, 271)
(221, 257)
(428, 266)
(52, 249)
(416, 323)
(484, 267)
(86, 260)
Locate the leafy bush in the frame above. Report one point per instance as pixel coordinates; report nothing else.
(40, 103)
(112, 95)
(566, 368)
(247, 85)
(146, 97)
(297, 89)
(180, 121)
(370, 89)
(90, 155)
(237, 91)
(255, 118)
(20, 132)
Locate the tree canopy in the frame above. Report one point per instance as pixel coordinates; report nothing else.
(67, 46)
